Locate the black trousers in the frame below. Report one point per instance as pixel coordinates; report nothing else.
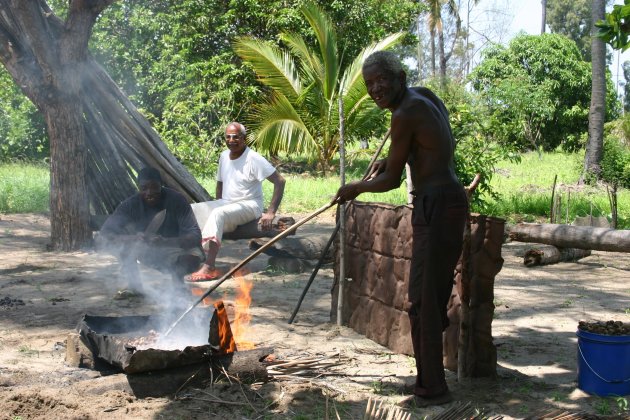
(439, 217)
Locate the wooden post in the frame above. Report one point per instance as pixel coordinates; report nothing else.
(342, 216)
(553, 192)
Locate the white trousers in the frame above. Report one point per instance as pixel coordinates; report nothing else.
(219, 216)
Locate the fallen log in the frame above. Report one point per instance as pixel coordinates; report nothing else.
(549, 254)
(567, 236)
(307, 248)
(254, 230)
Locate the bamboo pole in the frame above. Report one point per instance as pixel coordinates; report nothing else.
(333, 235)
(342, 218)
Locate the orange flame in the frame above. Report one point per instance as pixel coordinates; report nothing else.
(226, 338)
(240, 325)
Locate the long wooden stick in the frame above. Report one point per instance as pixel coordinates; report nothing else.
(332, 236)
(227, 275)
(553, 193)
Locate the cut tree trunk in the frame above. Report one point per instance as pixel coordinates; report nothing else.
(470, 329)
(566, 236)
(549, 254)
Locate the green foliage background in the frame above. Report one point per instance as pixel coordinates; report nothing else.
(536, 93)
(175, 60)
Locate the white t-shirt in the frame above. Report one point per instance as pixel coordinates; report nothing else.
(242, 178)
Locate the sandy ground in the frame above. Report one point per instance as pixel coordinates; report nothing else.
(44, 294)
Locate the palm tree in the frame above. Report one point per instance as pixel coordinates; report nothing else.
(301, 116)
(597, 113)
(544, 16)
(436, 26)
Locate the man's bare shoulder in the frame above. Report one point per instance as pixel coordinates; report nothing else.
(426, 99)
(414, 105)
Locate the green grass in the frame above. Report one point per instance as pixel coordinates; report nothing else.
(23, 188)
(524, 190)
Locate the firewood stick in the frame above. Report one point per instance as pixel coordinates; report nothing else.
(310, 360)
(260, 250)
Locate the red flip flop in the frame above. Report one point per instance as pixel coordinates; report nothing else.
(195, 277)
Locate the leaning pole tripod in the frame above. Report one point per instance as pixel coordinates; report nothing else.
(333, 235)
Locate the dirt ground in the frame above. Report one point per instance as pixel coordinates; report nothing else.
(44, 294)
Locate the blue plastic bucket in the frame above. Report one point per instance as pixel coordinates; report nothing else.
(603, 363)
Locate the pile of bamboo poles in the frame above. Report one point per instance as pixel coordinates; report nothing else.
(306, 367)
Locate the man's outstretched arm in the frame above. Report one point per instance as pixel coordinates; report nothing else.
(278, 182)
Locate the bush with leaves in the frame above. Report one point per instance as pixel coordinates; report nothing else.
(615, 163)
(476, 151)
(537, 93)
(22, 130)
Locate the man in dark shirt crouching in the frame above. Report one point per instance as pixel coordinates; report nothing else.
(155, 227)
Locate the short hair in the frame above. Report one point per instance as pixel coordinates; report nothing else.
(240, 127)
(385, 60)
(149, 174)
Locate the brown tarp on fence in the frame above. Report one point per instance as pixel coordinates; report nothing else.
(377, 257)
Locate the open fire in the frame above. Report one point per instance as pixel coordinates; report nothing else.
(137, 343)
(235, 326)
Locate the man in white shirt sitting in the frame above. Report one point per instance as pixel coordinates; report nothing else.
(239, 197)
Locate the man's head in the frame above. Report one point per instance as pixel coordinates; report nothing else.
(384, 78)
(150, 186)
(235, 134)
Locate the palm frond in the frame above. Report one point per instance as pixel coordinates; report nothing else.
(310, 64)
(327, 39)
(313, 102)
(365, 120)
(453, 10)
(435, 14)
(273, 67)
(278, 127)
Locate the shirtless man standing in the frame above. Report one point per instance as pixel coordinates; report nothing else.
(421, 136)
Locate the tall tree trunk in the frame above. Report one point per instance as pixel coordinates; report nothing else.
(419, 51)
(544, 16)
(433, 53)
(69, 220)
(442, 58)
(597, 113)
